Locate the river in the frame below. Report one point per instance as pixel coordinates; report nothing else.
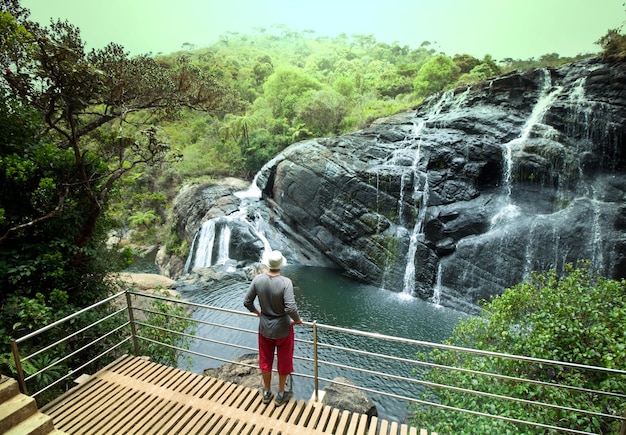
(325, 296)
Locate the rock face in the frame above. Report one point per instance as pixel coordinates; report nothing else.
(471, 192)
(225, 225)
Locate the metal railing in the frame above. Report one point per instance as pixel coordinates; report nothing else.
(318, 348)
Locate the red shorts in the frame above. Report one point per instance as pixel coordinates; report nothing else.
(284, 351)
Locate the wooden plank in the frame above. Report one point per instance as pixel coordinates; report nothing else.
(296, 413)
(167, 379)
(203, 388)
(132, 367)
(141, 405)
(373, 429)
(149, 423)
(303, 414)
(384, 427)
(165, 421)
(393, 428)
(342, 427)
(183, 381)
(89, 417)
(241, 428)
(206, 425)
(182, 414)
(246, 400)
(314, 419)
(224, 427)
(354, 424)
(325, 418)
(155, 374)
(63, 413)
(404, 429)
(188, 427)
(363, 421)
(235, 395)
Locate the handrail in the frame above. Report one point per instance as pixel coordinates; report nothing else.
(136, 326)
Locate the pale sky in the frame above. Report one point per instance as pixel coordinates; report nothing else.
(502, 28)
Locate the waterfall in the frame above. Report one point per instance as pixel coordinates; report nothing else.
(408, 286)
(211, 245)
(409, 273)
(436, 298)
(544, 102)
(223, 245)
(597, 256)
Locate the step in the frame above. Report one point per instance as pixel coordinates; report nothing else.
(8, 388)
(15, 410)
(37, 424)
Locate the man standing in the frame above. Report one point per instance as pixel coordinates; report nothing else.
(278, 314)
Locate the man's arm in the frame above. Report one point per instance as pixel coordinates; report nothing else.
(248, 301)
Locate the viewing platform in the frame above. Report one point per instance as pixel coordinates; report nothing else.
(136, 396)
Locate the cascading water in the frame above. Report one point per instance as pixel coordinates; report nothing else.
(544, 102)
(448, 97)
(409, 273)
(211, 245)
(436, 298)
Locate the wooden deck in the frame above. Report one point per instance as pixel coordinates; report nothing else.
(136, 396)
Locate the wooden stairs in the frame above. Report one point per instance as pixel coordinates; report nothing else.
(19, 414)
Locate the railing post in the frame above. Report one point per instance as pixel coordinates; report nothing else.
(315, 377)
(18, 368)
(133, 326)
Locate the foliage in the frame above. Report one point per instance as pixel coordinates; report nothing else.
(41, 211)
(613, 44)
(577, 318)
(78, 129)
(167, 321)
(436, 74)
(92, 104)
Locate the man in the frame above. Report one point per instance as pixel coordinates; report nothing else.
(278, 314)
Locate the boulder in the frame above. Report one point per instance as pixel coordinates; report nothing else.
(342, 394)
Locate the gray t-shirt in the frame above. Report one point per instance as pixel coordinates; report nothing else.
(278, 304)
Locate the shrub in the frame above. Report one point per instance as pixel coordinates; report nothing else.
(576, 318)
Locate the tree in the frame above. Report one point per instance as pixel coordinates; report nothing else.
(465, 62)
(435, 75)
(613, 44)
(576, 318)
(79, 94)
(322, 112)
(284, 88)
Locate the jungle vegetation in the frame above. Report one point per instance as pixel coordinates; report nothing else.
(99, 142)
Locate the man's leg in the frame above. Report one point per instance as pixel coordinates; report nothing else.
(267, 380)
(266, 360)
(282, 380)
(285, 348)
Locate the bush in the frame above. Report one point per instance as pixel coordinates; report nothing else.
(577, 318)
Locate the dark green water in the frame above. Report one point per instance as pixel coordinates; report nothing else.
(325, 296)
